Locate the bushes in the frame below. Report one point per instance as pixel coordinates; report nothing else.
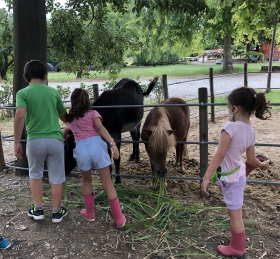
(156, 59)
(6, 93)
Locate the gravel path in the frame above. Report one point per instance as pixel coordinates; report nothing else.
(188, 88)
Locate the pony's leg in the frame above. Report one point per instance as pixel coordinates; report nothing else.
(117, 165)
(117, 138)
(110, 154)
(177, 156)
(135, 135)
(180, 149)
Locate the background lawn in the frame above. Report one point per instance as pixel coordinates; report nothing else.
(178, 70)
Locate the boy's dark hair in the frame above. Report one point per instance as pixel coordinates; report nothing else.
(250, 101)
(80, 104)
(34, 69)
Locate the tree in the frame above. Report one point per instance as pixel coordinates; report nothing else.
(218, 22)
(81, 45)
(84, 29)
(164, 37)
(6, 42)
(30, 42)
(268, 11)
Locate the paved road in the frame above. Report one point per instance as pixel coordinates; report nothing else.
(188, 88)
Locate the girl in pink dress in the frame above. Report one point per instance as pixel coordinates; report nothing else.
(91, 151)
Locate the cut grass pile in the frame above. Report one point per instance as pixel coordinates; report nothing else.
(171, 224)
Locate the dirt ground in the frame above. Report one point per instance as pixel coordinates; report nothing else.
(76, 238)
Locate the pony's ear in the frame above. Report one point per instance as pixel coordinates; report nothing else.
(147, 131)
(170, 132)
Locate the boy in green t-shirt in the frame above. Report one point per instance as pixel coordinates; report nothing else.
(40, 107)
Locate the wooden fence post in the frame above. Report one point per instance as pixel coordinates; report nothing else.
(203, 131)
(211, 81)
(165, 87)
(245, 74)
(2, 160)
(95, 90)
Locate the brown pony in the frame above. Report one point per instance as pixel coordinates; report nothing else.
(162, 128)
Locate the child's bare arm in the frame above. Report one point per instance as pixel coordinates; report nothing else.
(216, 160)
(105, 134)
(253, 161)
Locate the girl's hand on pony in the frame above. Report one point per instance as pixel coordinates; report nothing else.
(116, 153)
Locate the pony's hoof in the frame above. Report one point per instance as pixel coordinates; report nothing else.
(136, 160)
(182, 171)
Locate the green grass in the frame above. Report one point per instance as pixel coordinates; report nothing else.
(171, 71)
(273, 97)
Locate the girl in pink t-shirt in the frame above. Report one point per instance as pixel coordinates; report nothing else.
(237, 137)
(91, 151)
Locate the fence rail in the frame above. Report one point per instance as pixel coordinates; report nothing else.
(203, 125)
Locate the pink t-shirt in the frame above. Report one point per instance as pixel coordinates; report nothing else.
(84, 127)
(242, 136)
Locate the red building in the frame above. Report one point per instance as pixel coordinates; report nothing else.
(265, 49)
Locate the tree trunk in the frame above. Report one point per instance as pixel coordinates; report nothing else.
(79, 74)
(30, 42)
(4, 68)
(227, 66)
(3, 73)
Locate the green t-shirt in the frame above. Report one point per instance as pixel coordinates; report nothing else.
(43, 106)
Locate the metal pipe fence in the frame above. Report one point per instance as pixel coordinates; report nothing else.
(203, 127)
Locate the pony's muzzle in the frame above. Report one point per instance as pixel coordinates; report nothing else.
(161, 173)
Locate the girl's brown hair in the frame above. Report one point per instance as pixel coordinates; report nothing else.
(80, 104)
(250, 102)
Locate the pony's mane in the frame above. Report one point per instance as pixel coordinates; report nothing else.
(160, 141)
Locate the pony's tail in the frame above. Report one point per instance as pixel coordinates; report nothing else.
(151, 86)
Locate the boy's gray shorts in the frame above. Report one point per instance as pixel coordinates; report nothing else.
(50, 150)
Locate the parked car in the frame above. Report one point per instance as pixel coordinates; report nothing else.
(50, 67)
(219, 62)
(57, 67)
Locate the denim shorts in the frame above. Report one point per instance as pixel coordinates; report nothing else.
(91, 152)
(234, 193)
(49, 150)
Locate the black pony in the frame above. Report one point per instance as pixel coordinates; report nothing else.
(118, 120)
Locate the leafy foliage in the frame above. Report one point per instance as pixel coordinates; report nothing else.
(64, 92)
(81, 46)
(267, 11)
(6, 43)
(6, 93)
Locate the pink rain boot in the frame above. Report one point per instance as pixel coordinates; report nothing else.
(119, 218)
(88, 212)
(236, 247)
